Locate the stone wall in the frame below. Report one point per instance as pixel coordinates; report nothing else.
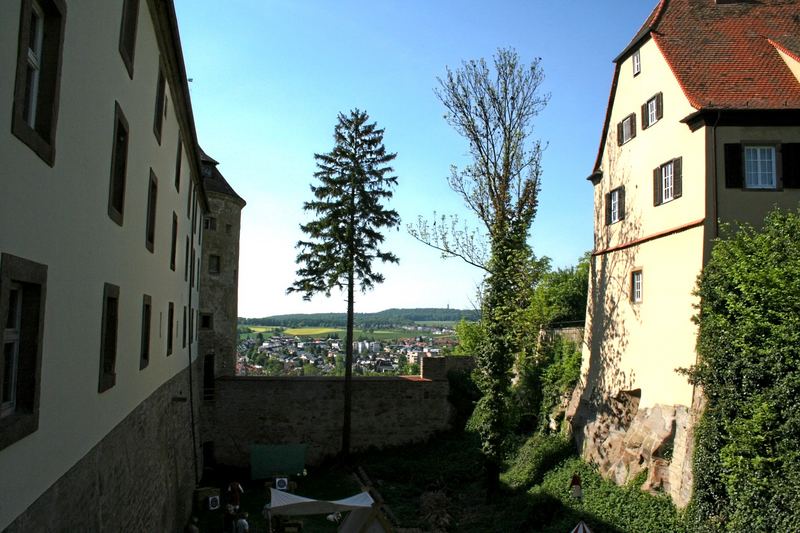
(140, 477)
(387, 411)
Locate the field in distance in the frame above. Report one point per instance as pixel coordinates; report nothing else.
(319, 332)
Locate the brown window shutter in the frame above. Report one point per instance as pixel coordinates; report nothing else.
(790, 153)
(734, 177)
(659, 106)
(645, 116)
(622, 203)
(608, 208)
(619, 134)
(677, 177)
(633, 125)
(657, 186)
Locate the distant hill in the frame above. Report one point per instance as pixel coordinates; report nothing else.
(389, 317)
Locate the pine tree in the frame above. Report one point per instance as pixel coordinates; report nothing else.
(354, 180)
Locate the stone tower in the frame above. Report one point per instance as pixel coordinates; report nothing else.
(219, 276)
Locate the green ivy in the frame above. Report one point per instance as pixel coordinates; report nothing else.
(747, 457)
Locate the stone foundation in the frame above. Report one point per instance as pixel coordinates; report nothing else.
(624, 440)
(140, 477)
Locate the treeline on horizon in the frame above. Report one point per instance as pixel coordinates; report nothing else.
(388, 317)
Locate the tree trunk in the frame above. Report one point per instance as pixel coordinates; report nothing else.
(348, 371)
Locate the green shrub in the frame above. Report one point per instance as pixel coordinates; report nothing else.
(534, 458)
(747, 458)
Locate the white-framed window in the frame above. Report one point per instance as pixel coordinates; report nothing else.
(652, 110)
(8, 388)
(615, 205)
(34, 58)
(760, 167)
(626, 129)
(636, 286)
(637, 63)
(667, 182)
(652, 113)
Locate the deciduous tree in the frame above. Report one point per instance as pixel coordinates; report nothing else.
(355, 179)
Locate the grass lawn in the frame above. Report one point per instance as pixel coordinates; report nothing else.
(311, 332)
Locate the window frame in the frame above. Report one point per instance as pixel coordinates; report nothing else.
(152, 208)
(637, 286)
(210, 318)
(147, 327)
(127, 34)
(170, 327)
(160, 104)
(109, 338)
(119, 167)
(173, 254)
(30, 278)
(652, 110)
(775, 185)
(38, 131)
(210, 223)
(630, 121)
(636, 63)
(178, 165)
(615, 205)
(214, 264)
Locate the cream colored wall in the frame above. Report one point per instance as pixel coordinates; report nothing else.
(632, 164)
(639, 345)
(738, 205)
(58, 217)
(792, 63)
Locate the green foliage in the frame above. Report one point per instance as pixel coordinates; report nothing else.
(562, 294)
(746, 458)
(535, 458)
(463, 396)
(470, 335)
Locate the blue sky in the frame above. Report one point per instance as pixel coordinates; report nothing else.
(269, 78)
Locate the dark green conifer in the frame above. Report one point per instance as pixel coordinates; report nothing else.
(355, 178)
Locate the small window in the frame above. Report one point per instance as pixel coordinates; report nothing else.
(147, 311)
(667, 181)
(22, 292)
(760, 167)
(191, 327)
(152, 197)
(213, 264)
(636, 286)
(184, 326)
(160, 111)
(189, 193)
(206, 321)
(186, 262)
(210, 223)
(119, 164)
(174, 248)
(170, 327)
(652, 111)
(615, 205)
(637, 63)
(127, 34)
(178, 165)
(191, 273)
(228, 228)
(626, 130)
(108, 338)
(38, 75)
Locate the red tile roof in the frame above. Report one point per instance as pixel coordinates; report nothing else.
(722, 54)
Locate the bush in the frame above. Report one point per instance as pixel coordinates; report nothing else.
(534, 458)
(746, 456)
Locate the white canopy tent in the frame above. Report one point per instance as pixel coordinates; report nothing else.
(284, 503)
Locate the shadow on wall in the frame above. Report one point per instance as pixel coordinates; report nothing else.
(609, 310)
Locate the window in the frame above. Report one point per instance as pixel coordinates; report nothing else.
(228, 228)
(759, 167)
(22, 292)
(652, 111)
(189, 200)
(626, 130)
(615, 205)
(127, 34)
(161, 107)
(119, 164)
(667, 181)
(637, 63)
(152, 196)
(636, 286)
(191, 327)
(108, 338)
(170, 327)
(191, 274)
(38, 75)
(173, 249)
(213, 264)
(147, 311)
(184, 326)
(178, 165)
(762, 166)
(186, 262)
(206, 321)
(210, 223)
